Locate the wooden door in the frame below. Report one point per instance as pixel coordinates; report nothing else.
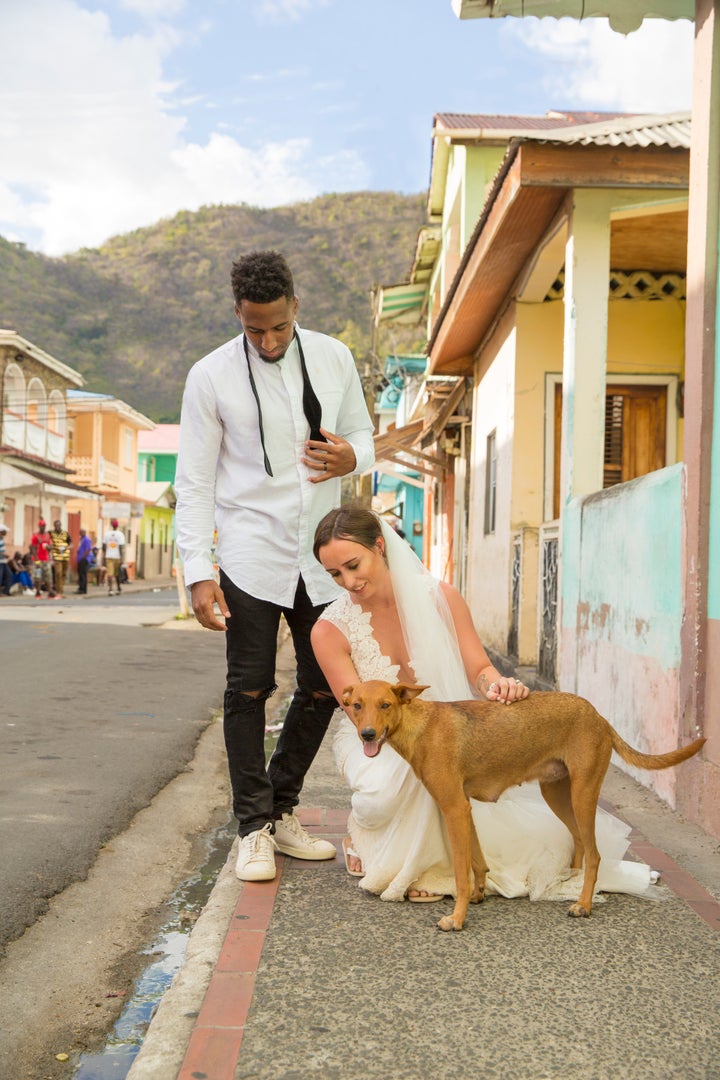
(635, 434)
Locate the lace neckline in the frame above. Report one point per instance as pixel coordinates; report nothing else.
(363, 632)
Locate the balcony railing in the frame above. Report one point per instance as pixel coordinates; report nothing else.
(82, 469)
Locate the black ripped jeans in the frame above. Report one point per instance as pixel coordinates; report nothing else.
(262, 794)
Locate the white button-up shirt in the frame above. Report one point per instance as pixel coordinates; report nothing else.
(265, 524)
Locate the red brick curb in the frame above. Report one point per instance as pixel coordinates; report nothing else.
(214, 1045)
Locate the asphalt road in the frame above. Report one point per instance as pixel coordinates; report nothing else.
(102, 702)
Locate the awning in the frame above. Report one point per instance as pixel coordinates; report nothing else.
(406, 445)
(440, 412)
(399, 303)
(398, 445)
(52, 483)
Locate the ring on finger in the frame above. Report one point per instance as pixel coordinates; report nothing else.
(324, 466)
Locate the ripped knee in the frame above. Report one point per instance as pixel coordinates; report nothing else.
(314, 700)
(246, 700)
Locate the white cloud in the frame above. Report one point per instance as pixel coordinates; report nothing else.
(594, 67)
(90, 145)
(288, 9)
(154, 9)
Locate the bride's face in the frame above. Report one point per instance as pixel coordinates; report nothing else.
(360, 570)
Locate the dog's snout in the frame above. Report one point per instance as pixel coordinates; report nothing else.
(368, 734)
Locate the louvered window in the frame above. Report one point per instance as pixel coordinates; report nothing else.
(635, 418)
(613, 462)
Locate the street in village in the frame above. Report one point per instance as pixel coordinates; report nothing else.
(104, 702)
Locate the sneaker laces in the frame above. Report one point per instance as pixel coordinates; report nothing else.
(261, 843)
(291, 823)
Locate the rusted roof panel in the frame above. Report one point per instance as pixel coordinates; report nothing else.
(478, 122)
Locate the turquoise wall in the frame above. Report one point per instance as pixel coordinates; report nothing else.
(622, 567)
(165, 466)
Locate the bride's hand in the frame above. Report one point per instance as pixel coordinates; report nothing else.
(507, 690)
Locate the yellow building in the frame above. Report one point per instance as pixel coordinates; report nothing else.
(103, 456)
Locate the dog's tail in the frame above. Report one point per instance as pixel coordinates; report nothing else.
(654, 761)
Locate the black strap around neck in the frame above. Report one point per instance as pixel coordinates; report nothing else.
(311, 406)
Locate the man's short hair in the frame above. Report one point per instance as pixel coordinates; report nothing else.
(261, 277)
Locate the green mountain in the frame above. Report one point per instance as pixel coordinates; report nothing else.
(135, 314)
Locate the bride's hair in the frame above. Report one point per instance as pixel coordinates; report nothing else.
(351, 522)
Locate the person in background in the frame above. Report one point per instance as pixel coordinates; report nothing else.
(61, 546)
(114, 555)
(5, 571)
(41, 554)
(84, 552)
(20, 568)
(94, 568)
(270, 423)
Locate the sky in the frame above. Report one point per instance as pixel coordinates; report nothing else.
(115, 114)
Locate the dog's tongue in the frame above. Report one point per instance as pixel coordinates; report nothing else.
(371, 748)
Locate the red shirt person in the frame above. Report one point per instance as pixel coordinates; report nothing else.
(40, 551)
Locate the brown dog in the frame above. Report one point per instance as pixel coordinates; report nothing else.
(478, 749)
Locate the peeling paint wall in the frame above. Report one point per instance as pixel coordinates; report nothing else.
(622, 608)
(488, 571)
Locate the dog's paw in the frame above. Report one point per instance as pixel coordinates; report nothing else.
(477, 897)
(448, 923)
(578, 911)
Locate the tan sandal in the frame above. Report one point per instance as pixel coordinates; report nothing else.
(428, 898)
(349, 854)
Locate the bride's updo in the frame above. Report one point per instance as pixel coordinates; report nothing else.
(350, 522)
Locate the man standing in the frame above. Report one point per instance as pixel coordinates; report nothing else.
(5, 572)
(84, 552)
(61, 544)
(270, 423)
(114, 553)
(40, 551)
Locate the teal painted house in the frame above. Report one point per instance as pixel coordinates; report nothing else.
(399, 488)
(157, 454)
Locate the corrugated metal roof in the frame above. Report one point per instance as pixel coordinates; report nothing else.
(670, 129)
(491, 122)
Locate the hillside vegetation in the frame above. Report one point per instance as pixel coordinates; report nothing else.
(135, 314)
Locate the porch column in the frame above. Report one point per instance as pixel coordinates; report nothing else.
(587, 267)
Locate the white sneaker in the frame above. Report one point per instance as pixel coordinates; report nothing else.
(256, 856)
(291, 839)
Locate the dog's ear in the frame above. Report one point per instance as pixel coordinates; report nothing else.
(405, 693)
(347, 695)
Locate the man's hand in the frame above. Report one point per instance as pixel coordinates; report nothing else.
(204, 595)
(333, 458)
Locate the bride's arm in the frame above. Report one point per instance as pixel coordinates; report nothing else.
(332, 652)
(480, 671)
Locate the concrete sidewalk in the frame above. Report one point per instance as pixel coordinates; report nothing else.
(308, 976)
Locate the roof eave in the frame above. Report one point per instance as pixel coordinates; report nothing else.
(527, 193)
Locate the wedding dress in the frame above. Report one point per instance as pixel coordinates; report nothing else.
(396, 827)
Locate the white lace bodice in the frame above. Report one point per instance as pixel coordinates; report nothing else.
(354, 624)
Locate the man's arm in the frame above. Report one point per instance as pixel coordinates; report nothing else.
(200, 439)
